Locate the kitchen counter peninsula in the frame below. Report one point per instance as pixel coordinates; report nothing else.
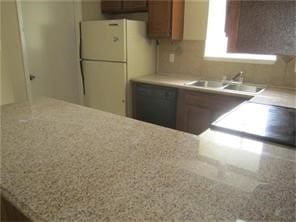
(65, 162)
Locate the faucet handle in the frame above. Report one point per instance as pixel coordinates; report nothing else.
(238, 75)
(242, 72)
(241, 76)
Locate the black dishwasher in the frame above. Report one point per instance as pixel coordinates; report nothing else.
(155, 104)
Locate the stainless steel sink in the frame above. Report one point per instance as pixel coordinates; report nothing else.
(207, 83)
(245, 88)
(227, 85)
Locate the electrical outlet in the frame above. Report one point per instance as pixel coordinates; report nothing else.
(172, 58)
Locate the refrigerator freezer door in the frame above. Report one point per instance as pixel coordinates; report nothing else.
(104, 40)
(105, 86)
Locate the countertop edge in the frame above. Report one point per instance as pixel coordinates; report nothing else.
(197, 89)
(19, 205)
(271, 95)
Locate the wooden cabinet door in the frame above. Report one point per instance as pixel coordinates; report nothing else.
(134, 5)
(166, 19)
(197, 110)
(111, 6)
(191, 117)
(224, 104)
(196, 119)
(159, 18)
(177, 23)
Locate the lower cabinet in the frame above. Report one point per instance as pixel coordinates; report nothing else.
(197, 110)
(184, 110)
(194, 119)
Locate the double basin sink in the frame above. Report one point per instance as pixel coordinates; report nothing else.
(227, 85)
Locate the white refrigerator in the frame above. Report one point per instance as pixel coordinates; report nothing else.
(113, 52)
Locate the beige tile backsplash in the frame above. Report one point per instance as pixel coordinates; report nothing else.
(189, 60)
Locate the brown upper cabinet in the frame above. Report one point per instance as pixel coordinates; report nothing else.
(261, 27)
(135, 6)
(124, 6)
(111, 6)
(166, 19)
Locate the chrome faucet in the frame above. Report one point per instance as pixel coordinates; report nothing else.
(238, 77)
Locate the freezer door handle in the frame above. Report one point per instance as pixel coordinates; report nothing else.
(113, 24)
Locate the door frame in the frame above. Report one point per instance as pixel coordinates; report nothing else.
(24, 49)
(77, 9)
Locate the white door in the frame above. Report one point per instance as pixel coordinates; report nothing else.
(105, 86)
(50, 49)
(104, 40)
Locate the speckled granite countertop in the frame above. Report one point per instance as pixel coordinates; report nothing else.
(271, 95)
(64, 162)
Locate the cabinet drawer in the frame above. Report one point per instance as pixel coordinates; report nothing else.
(211, 100)
(202, 101)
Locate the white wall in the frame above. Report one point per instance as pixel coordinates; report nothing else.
(91, 10)
(6, 90)
(195, 19)
(13, 84)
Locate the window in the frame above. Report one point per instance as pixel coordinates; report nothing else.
(216, 40)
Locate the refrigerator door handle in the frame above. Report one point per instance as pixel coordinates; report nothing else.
(82, 76)
(80, 60)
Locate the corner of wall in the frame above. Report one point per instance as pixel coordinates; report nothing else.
(91, 10)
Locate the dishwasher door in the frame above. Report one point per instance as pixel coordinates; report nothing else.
(156, 104)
